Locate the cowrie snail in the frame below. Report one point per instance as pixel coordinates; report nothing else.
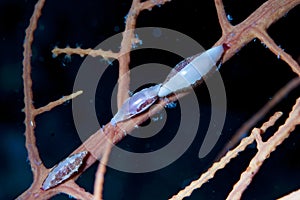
(190, 71)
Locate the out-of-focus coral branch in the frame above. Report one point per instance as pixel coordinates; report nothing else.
(187, 191)
(244, 129)
(292, 196)
(99, 182)
(264, 151)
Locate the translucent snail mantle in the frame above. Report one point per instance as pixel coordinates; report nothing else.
(190, 71)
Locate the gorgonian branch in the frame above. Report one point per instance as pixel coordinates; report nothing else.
(236, 36)
(33, 153)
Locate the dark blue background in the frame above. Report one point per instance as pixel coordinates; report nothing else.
(251, 78)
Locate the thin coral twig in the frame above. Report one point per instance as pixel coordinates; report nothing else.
(264, 151)
(187, 191)
(84, 52)
(281, 54)
(58, 102)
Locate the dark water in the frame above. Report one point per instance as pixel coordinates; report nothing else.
(251, 78)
